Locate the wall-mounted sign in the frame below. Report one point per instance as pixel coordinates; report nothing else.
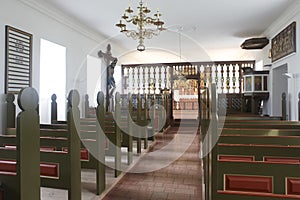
(18, 59)
(284, 43)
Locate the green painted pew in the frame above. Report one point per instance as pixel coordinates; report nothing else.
(257, 164)
(22, 180)
(63, 168)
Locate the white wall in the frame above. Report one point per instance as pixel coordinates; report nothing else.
(44, 23)
(293, 61)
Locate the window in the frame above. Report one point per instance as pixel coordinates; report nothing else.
(52, 79)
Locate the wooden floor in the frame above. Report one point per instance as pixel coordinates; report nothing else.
(171, 169)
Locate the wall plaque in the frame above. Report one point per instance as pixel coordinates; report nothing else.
(18, 59)
(284, 43)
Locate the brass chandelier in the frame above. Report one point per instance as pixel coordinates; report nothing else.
(143, 24)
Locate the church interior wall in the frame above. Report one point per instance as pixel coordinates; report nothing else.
(79, 42)
(293, 60)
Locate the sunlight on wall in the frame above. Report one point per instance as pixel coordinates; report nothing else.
(94, 78)
(52, 79)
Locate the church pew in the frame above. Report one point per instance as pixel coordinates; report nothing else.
(135, 118)
(24, 182)
(248, 161)
(145, 127)
(108, 129)
(126, 126)
(110, 133)
(59, 172)
(247, 154)
(268, 124)
(231, 158)
(91, 137)
(231, 147)
(92, 148)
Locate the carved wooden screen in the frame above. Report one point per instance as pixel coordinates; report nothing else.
(145, 78)
(157, 78)
(154, 78)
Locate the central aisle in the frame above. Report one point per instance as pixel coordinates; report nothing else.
(177, 175)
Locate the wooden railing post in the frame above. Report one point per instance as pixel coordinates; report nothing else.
(86, 106)
(130, 129)
(73, 121)
(28, 145)
(138, 122)
(283, 108)
(101, 180)
(10, 111)
(213, 136)
(118, 135)
(53, 108)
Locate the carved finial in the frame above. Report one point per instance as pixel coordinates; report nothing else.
(10, 97)
(100, 98)
(283, 95)
(117, 97)
(28, 99)
(53, 97)
(73, 98)
(86, 97)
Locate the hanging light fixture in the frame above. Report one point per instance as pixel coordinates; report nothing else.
(146, 27)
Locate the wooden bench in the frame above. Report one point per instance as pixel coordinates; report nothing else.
(92, 145)
(251, 159)
(102, 128)
(259, 163)
(24, 181)
(59, 168)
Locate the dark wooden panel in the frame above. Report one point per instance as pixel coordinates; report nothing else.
(248, 183)
(293, 186)
(235, 158)
(282, 160)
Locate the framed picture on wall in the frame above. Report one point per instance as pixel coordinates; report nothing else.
(284, 43)
(18, 60)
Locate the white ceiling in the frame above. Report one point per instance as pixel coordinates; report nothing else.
(211, 24)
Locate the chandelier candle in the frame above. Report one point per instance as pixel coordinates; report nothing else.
(146, 26)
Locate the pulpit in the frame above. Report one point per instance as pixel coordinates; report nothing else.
(255, 89)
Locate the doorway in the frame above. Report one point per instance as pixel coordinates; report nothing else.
(280, 85)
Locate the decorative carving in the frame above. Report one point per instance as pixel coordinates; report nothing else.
(284, 43)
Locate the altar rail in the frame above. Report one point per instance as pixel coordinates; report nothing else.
(156, 77)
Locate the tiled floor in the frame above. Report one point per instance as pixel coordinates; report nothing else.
(177, 175)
